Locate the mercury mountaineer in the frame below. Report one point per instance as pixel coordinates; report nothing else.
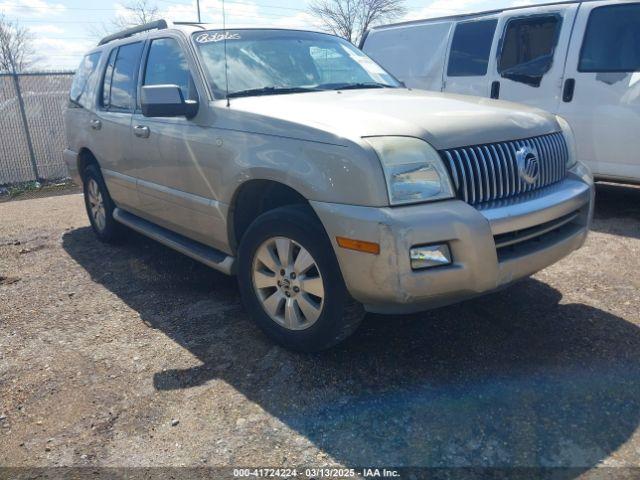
(294, 161)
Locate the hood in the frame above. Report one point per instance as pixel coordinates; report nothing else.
(444, 120)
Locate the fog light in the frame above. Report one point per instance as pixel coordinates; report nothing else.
(430, 256)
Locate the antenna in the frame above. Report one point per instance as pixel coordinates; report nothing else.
(226, 64)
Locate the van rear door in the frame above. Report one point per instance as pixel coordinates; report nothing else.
(531, 54)
(601, 94)
(468, 65)
(414, 53)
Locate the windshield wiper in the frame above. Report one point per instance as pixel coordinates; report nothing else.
(353, 86)
(256, 92)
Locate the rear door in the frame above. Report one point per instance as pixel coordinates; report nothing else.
(601, 97)
(468, 61)
(531, 54)
(111, 123)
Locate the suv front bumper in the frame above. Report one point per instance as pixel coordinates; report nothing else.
(386, 283)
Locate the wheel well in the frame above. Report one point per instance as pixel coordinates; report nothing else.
(85, 158)
(256, 197)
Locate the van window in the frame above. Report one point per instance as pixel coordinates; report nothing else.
(471, 48)
(123, 81)
(87, 68)
(528, 47)
(167, 65)
(612, 40)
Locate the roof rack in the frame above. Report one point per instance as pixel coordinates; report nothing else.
(157, 25)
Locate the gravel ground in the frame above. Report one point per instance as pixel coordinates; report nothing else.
(133, 355)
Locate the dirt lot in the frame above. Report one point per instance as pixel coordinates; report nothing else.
(137, 356)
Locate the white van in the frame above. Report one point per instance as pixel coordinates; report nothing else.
(580, 60)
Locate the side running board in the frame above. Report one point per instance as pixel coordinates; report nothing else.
(202, 253)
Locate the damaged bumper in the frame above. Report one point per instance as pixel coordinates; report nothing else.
(491, 247)
(71, 160)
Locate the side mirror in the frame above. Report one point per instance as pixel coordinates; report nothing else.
(166, 101)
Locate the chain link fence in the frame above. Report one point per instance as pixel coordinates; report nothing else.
(32, 135)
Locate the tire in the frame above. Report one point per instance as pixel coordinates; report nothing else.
(100, 206)
(321, 313)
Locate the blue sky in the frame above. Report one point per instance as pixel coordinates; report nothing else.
(64, 29)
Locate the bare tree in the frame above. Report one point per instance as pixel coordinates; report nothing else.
(138, 12)
(351, 18)
(16, 46)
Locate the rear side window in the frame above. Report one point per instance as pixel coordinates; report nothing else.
(120, 78)
(528, 47)
(167, 65)
(471, 48)
(78, 94)
(612, 40)
(108, 75)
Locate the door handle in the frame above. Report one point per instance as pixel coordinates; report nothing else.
(96, 124)
(569, 90)
(141, 131)
(495, 90)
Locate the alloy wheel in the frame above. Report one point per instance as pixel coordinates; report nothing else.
(96, 205)
(288, 283)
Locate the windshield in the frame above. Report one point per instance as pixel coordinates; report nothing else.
(267, 62)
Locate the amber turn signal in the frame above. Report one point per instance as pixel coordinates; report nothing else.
(358, 245)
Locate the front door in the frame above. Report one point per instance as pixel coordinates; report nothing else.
(531, 54)
(601, 98)
(175, 157)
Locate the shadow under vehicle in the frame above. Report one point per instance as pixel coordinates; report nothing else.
(515, 379)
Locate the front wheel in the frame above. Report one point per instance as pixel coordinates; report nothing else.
(291, 283)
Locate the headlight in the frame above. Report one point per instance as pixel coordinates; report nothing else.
(413, 170)
(569, 137)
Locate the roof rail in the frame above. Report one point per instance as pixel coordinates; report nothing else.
(157, 25)
(193, 24)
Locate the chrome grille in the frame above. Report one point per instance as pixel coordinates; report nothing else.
(484, 173)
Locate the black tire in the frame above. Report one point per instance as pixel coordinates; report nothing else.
(340, 315)
(111, 231)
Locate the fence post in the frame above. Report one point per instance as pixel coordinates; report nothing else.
(23, 114)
